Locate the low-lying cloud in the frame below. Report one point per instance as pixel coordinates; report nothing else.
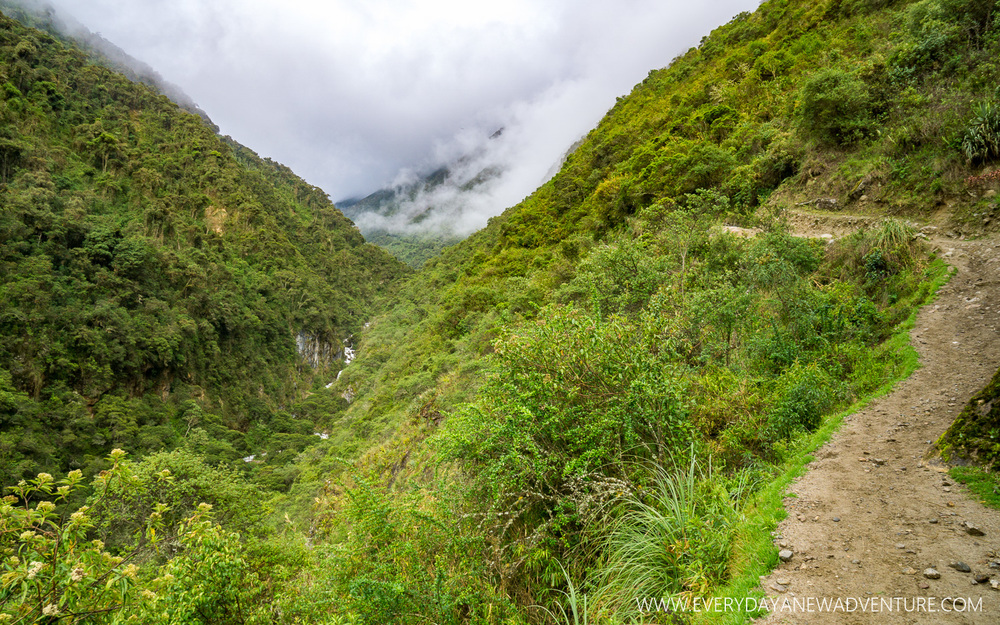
(352, 95)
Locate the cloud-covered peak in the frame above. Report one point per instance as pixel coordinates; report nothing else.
(350, 94)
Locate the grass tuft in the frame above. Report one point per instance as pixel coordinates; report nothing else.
(985, 485)
(674, 540)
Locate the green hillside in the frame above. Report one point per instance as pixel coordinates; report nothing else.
(874, 108)
(40, 15)
(156, 276)
(606, 322)
(592, 395)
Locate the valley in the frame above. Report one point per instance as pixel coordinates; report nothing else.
(754, 313)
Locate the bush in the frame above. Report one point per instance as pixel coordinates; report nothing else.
(616, 278)
(936, 28)
(972, 16)
(404, 560)
(858, 254)
(48, 568)
(575, 406)
(684, 166)
(931, 33)
(212, 580)
(809, 393)
(836, 108)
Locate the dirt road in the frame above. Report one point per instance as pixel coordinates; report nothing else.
(871, 515)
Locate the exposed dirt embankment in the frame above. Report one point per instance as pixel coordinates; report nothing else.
(872, 515)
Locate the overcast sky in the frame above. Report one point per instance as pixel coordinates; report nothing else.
(350, 93)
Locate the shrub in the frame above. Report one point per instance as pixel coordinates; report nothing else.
(575, 406)
(931, 33)
(706, 165)
(836, 108)
(616, 278)
(48, 568)
(876, 253)
(935, 28)
(853, 7)
(403, 560)
(182, 481)
(773, 63)
(972, 16)
(809, 393)
(684, 167)
(212, 580)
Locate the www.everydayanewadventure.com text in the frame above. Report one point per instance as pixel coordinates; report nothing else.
(811, 604)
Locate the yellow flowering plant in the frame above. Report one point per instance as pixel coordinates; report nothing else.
(48, 567)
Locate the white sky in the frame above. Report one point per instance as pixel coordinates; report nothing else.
(351, 93)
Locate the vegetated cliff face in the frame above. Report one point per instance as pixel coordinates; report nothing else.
(975, 434)
(155, 274)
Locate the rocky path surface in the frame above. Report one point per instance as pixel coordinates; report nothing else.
(872, 515)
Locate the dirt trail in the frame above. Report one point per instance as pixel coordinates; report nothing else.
(871, 514)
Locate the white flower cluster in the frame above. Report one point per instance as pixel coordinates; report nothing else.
(34, 569)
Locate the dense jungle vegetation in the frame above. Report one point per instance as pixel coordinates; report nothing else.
(586, 397)
(156, 276)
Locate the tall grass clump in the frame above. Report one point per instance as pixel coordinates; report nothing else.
(890, 239)
(879, 259)
(673, 540)
(573, 609)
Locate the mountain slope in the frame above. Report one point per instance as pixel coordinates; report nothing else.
(418, 217)
(156, 276)
(743, 117)
(874, 106)
(379, 218)
(42, 16)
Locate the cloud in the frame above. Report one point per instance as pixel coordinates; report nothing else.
(349, 94)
